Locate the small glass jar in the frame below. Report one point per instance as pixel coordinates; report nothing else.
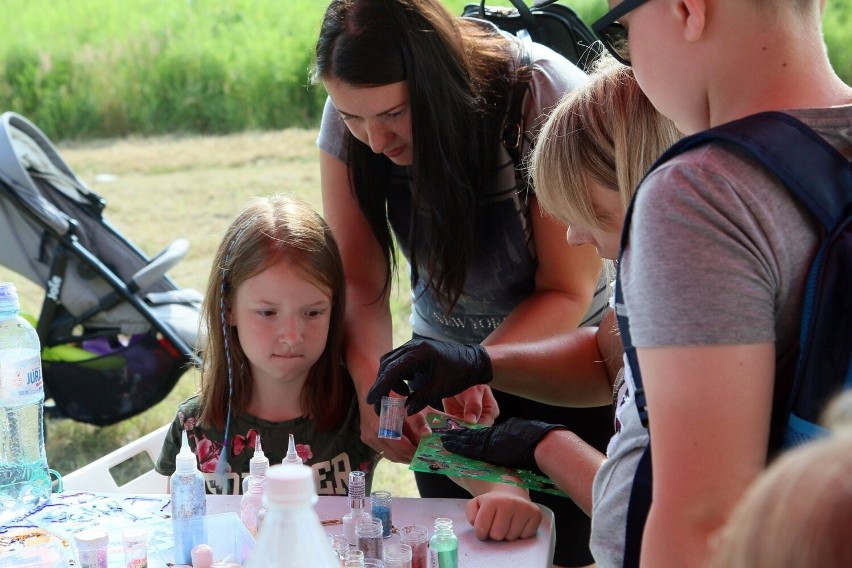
(417, 537)
(354, 559)
(444, 545)
(369, 535)
(135, 544)
(340, 546)
(92, 545)
(380, 502)
(397, 556)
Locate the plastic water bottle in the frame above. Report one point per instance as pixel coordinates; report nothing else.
(189, 504)
(24, 479)
(291, 535)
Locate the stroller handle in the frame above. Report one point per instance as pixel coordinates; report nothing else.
(159, 265)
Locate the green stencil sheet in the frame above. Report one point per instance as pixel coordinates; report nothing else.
(431, 457)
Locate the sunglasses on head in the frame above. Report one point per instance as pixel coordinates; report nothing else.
(612, 33)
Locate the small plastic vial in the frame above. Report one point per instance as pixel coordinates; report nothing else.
(369, 535)
(135, 544)
(391, 417)
(340, 546)
(417, 537)
(92, 546)
(381, 507)
(354, 559)
(397, 556)
(444, 545)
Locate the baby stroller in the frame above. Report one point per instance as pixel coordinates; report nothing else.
(116, 333)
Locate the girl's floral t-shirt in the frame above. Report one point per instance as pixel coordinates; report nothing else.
(331, 454)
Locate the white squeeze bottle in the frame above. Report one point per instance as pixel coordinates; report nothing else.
(24, 479)
(290, 459)
(292, 456)
(189, 504)
(291, 535)
(258, 464)
(251, 504)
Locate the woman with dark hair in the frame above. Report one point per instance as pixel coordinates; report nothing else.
(414, 150)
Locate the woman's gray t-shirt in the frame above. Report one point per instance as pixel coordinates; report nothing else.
(502, 271)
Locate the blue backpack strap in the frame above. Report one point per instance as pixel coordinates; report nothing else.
(817, 175)
(641, 490)
(820, 178)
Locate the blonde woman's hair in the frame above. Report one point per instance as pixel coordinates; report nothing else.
(838, 414)
(797, 514)
(606, 131)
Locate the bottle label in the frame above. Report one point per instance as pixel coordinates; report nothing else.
(20, 376)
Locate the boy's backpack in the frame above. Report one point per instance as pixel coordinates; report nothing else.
(820, 178)
(549, 23)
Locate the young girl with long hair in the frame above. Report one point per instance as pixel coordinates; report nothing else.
(273, 362)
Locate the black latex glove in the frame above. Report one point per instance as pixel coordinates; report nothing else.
(427, 371)
(509, 444)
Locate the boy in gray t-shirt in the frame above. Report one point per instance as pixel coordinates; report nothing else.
(718, 252)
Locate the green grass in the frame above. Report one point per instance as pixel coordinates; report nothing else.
(83, 68)
(89, 68)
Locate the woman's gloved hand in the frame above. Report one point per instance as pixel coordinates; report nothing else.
(427, 371)
(509, 444)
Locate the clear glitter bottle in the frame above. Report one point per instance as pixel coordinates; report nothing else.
(188, 504)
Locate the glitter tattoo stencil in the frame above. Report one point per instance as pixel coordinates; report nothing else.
(46, 537)
(431, 457)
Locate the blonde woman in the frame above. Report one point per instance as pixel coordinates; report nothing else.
(798, 513)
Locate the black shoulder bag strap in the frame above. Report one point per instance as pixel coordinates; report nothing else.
(815, 173)
(513, 127)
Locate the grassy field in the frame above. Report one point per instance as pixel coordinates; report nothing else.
(89, 68)
(83, 68)
(164, 188)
